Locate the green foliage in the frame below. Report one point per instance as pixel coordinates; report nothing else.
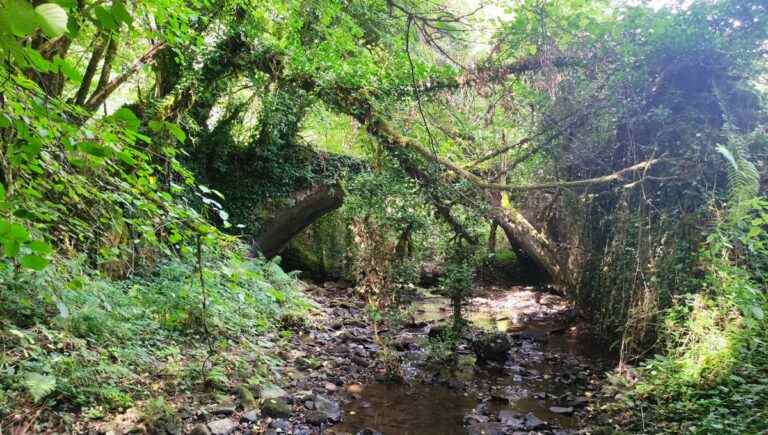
(39, 385)
(457, 281)
(114, 332)
(441, 348)
(711, 377)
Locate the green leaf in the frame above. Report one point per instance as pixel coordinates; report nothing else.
(94, 149)
(2, 190)
(106, 21)
(727, 155)
(217, 193)
(155, 125)
(39, 385)
(37, 60)
(40, 247)
(758, 312)
(68, 70)
(52, 19)
(177, 132)
(174, 237)
(66, 4)
(20, 17)
(121, 14)
(11, 247)
(34, 262)
(18, 232)
(126, 157)
(128, 118)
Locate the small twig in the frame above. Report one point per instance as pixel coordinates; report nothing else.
(416, 93)
(205, 302)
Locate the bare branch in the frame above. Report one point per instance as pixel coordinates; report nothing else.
(99, 97)
(90, 71)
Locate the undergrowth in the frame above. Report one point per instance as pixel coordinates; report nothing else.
(713, 374)
(76, 341)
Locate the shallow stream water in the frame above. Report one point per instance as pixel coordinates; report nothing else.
(544, 371)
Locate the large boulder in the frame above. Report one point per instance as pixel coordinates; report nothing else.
(491, 346)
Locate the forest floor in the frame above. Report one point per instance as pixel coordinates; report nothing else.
(524, 366)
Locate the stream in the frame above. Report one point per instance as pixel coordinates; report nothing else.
(543, 385)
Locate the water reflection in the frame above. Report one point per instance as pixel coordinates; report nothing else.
(408, 410)
(530, 384)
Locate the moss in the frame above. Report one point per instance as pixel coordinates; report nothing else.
(321, 251)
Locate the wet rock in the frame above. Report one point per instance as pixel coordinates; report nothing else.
(491, 347)
(475, 418)
(325, 410)
(486, 429)
(222, 409)
(330, 386)
(537, 336)
(533, 422)
(360, 361)
(200, 429)
(276, 408)
(354, 389)
(404, 342)
(302, 430)
(251, 416)
(244, 394)
(271, 391)
(512, 420)
(283, 426)
(561, 409)
(224, 426)
(578, 401)
(304, 395)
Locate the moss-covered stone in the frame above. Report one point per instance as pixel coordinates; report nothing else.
(322, 250)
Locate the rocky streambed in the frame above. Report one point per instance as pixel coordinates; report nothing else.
(523, 366)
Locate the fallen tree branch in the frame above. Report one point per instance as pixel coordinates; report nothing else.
(494, 74)
(380, 128)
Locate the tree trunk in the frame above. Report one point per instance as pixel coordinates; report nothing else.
(522, 234)
(492, 237)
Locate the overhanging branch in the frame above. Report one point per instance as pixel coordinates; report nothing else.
(381, 129)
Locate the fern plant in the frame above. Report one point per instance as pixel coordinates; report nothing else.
(739, 244)
(743, 176)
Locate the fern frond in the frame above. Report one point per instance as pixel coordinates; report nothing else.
(743, 176)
